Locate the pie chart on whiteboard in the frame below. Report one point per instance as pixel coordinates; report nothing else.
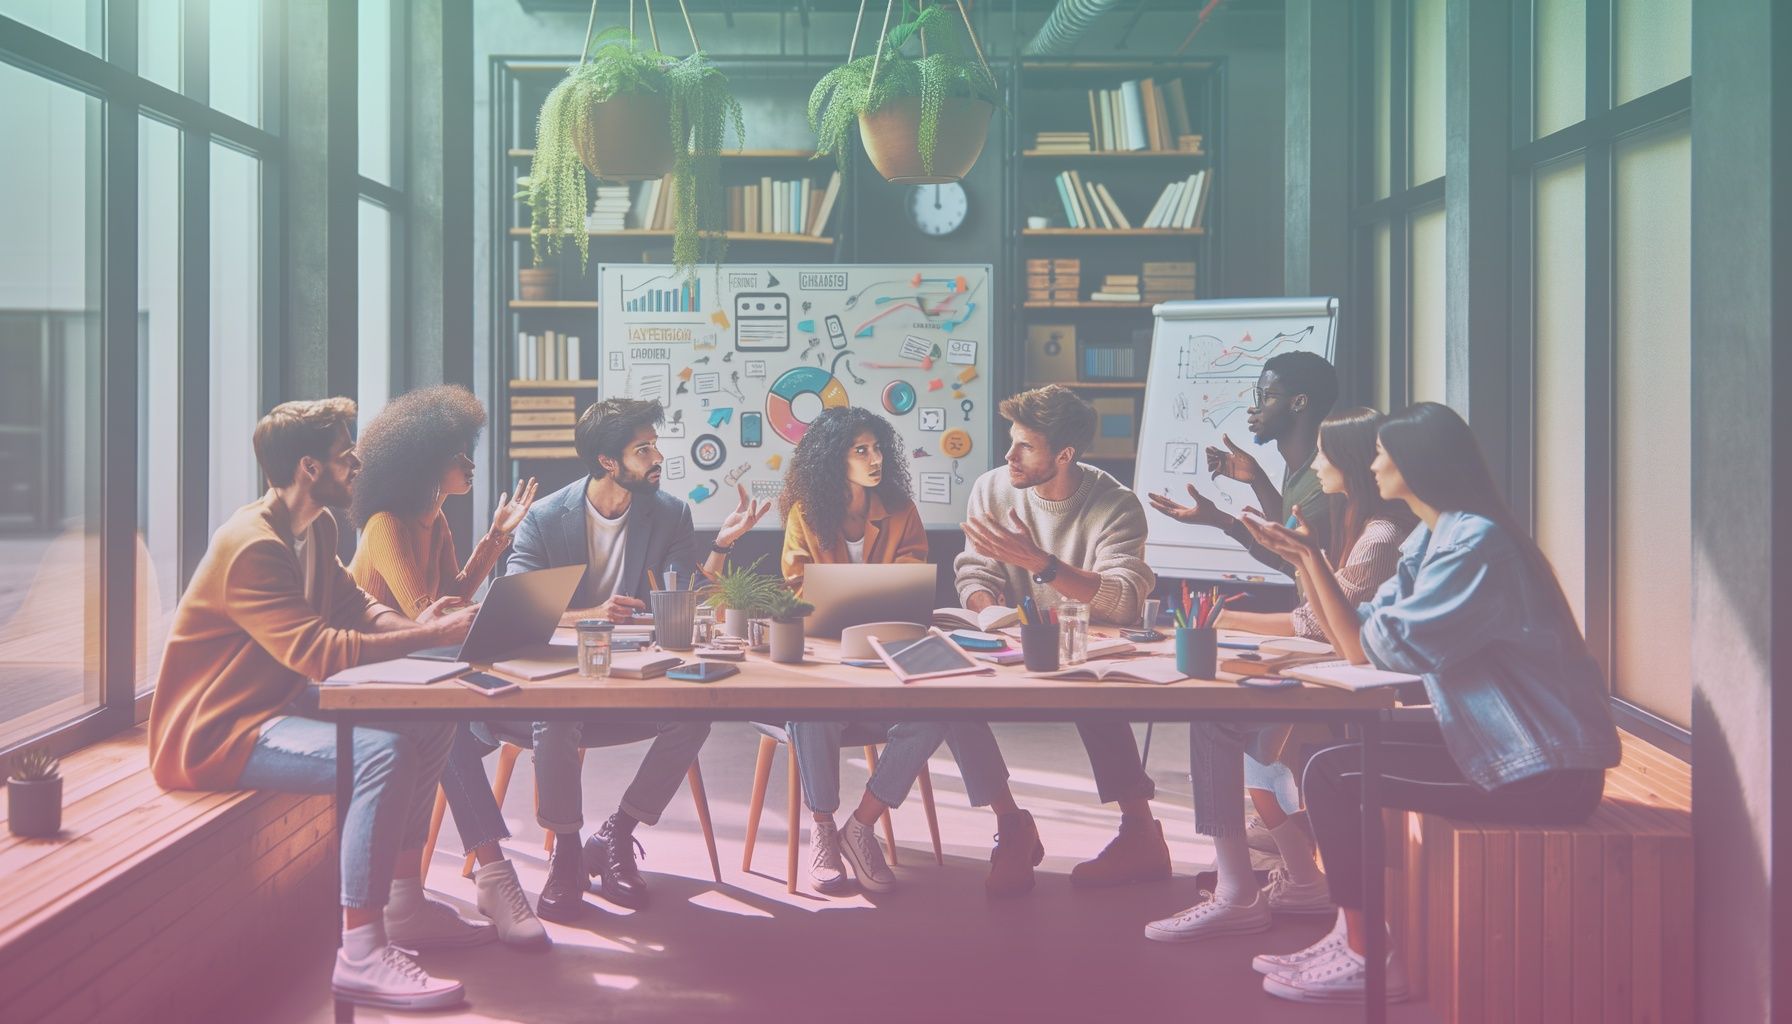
(798, 396)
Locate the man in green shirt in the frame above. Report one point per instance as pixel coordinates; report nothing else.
(1295, 392)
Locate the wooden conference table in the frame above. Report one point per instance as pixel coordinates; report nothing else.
(822, 688)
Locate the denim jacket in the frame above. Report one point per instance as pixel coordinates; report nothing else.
(1512, 684)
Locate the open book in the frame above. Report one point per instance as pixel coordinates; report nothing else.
(1346, 676)
(1137, 670)
(416, 671)
(988, 620)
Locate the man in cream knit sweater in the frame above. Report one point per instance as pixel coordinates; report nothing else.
(1051, 528)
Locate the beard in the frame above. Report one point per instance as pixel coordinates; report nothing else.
(1021, 478)
(645, 483)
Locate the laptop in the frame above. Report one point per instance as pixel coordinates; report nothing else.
(849, 594)
(519, 612)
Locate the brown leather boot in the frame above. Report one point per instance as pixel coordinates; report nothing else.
(1018, 851)
(1137, 854)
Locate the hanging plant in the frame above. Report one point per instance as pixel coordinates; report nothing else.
(627, 113)
(922, 119)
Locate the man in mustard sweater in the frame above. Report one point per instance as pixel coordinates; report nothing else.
(269, 609)
(1054, 529)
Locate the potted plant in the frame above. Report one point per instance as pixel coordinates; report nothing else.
(922, 119)
(741, 593)
(787, 612)
(34, 794)
(628, 113)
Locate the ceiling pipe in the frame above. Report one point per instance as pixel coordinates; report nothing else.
(1068, 20)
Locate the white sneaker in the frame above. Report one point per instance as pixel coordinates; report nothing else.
(1286, 896)
(827, 873)
(501, 898)
(1289, 963)
(859, 843)
(1212, 916)
(1340, 976)
(391, 978)
(435, 925)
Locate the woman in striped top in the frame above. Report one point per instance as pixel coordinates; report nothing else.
(1369, 529)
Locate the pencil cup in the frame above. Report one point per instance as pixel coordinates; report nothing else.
(674, 613)
(1197, 652)
(1039, 647)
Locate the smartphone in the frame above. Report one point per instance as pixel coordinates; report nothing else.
(836, 332)
(752, 429)
(702, 671)
(1268, 682)
(1142, 636)
(486, 683)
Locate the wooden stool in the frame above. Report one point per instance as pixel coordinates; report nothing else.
(507, 755)
(762, 774)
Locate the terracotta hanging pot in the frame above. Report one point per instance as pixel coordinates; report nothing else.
(625, 138)
(891, 135)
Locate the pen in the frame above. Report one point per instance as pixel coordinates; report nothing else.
(653, 582)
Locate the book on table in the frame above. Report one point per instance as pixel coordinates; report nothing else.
(643, 664)
(1138, 670)
(1345, 676)
(988, 620)
(410, 671)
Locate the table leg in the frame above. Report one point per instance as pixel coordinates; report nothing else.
(1375, 1007)
(345, 788)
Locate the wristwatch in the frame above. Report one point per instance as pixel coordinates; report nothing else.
(720, 550)
(1050, 572)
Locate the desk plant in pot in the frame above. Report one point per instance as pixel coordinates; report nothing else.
(740, 594)
(787, 612)
(921, 119)
(631, 113)
(34, 794)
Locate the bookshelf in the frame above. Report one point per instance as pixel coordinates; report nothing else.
(1061, 134)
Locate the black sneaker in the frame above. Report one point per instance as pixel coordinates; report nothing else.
(611, 859)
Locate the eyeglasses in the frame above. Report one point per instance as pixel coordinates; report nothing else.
(1263, 396)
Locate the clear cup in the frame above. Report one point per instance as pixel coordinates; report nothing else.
(1073, 633)
(703, 625)
(594, 648)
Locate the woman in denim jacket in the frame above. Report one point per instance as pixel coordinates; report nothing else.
(1522, 732)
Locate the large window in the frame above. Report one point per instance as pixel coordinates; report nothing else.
(380, 34)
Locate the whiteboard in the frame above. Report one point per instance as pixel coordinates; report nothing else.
(1205, 359)
(743, 358)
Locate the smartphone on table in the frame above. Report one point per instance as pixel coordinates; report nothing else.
(702, 671)
(486, 683)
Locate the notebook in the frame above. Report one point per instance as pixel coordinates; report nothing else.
(416, 671)
(643, 664)
(988, 620)
(1137, 670)
(1346, 676)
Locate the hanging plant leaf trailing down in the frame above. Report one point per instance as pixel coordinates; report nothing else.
(580, 126)
(945, 74)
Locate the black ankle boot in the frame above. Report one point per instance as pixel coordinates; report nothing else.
(610, 856)
(563, 896)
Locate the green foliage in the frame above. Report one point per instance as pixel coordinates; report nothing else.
(784, 606)
(34, 764)
(703, 108)
(744, 589)
(848, 91)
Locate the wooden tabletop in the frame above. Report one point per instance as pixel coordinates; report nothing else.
(822, 684)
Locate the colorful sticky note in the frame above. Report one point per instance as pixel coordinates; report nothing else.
(967, 375)
(774, 462)
(717, 417)
(720, 319)
(935, 384)
(684, 374)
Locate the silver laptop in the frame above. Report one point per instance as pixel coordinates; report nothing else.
(519, 611)
(847, 594)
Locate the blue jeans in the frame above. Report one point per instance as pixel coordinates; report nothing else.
(396, 768)
(980, 761)
(1217, 754)
(1114, 757)
(559, 791)
(816, 746)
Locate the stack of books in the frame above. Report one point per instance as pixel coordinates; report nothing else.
(609, 209)
(1140, 115)
(1063, 142)
(541, 426)
(552, 355)
(1118, 288)
(1088, 204)
(795, 207)
(1108, 362)
(1054, 281)
(1182, 204)
(1167, 280)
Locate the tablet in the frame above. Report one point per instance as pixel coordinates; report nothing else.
(931, 657)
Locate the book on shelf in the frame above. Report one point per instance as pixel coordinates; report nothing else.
(554, 435)
(1139, 115)
(794, 207)
(609, 208)
(1108, 362)
(1181, 205)
(541, 419)
(825, 206)
(533, 404)
(1107, 296)
(554, 452)
(551, 355)
(1063, 142)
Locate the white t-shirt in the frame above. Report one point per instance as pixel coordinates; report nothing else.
(603, 549)
(855, 550)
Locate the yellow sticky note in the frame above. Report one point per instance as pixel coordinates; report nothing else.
(967, 375)
(774, 462)
(720, 319)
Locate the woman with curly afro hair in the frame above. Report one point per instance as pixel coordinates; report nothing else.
(846, 499)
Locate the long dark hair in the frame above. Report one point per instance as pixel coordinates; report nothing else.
(817, 476)
(407, 448)
(1348, 440)
(1441, 461)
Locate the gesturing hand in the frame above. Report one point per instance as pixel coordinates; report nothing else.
(1233, 462)
(745, 516)
(1007, 541)
(620, 608)
(1292, 544)
(1202, 513)
(510, 511)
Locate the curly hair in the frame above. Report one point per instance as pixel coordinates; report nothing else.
(409, 445)
(817, 475)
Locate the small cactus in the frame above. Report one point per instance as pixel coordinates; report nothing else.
(35, 764)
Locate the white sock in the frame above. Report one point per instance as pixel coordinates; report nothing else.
(1296, 848)
(1232, 862)
(487, 875)
(1338, 926)
(405, 898)
(361, 943)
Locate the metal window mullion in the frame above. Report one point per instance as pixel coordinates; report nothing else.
(118, 412)
(1399, 169)
(1601, 521)
(193, 401)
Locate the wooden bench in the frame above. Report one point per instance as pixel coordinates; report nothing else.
(157, 906)
(1503, 924)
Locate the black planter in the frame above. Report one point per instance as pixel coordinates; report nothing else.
(34, 808)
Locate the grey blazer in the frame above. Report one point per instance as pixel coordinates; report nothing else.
(660, 537)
